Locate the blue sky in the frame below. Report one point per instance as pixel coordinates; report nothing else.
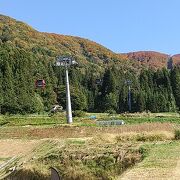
(120, 25)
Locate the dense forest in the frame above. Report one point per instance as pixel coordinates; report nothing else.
(97, 84)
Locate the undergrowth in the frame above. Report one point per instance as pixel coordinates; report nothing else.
(80, 160)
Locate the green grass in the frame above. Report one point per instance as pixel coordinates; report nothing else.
(2, 160)
(39, 120)
(162, 155)
(160, 161)
(76, 141)
(27, 120)
(134, 120)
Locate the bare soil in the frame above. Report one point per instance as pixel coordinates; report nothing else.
(16, 147)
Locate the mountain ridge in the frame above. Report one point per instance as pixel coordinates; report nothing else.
(87, 51)
(153, 58)
(27, 55)
(24, 36)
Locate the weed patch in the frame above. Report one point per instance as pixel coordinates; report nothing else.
(177, 134)
(145, 136)
(78, 160)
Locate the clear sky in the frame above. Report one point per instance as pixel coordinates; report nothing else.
(120, 25)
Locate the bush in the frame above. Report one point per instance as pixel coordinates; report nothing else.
(78, 113)
(177, 134)
(144, 150)
(150, 137)
(111, 111)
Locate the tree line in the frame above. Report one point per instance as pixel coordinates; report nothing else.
(155, 91)
(91, 90)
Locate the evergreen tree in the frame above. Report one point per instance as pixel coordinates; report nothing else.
(141, 106)
(1, 91)
(108, 85)
(9, 96)
(108, 92)
(123, 100)
(175, 81)
(78, 99)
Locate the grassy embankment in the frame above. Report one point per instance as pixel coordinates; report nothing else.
(161, 162)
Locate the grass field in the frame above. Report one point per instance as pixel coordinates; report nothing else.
(84, 150)
(162, 162)
(59, 119)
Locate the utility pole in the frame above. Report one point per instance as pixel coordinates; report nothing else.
(67, 61)
(68, 99)
(128, 82)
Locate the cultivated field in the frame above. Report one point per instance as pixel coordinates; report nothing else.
(143, 148)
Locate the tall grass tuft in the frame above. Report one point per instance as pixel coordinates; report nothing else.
(177, 134)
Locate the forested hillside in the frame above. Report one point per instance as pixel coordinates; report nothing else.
(152, 59)
(27, 55)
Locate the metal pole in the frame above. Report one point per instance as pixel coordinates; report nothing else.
(129, 98)
(68, 100)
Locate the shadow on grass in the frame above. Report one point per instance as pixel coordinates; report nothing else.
(24, 174)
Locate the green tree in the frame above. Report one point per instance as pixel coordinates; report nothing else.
(141, 104)
(175, 81)
(78, 99)
(123, 100)
(9, 96)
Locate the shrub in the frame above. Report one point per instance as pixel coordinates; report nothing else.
(111, 111)
(177, 134)
(78, 113)
(144, 137)
(150, 137)
(144, 150)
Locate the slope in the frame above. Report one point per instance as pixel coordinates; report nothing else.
(52, 45)
(27, 55)
(163, 162)
(152, 59)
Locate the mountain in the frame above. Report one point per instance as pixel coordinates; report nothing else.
(85, 51)
(176, 58)
(52, 45)
(152, 59)
(27, 56)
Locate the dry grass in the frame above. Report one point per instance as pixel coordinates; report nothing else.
(145, 136)
(80, 151)
(79, 160)
(80, 131)
(105, 152)
(10, 148)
